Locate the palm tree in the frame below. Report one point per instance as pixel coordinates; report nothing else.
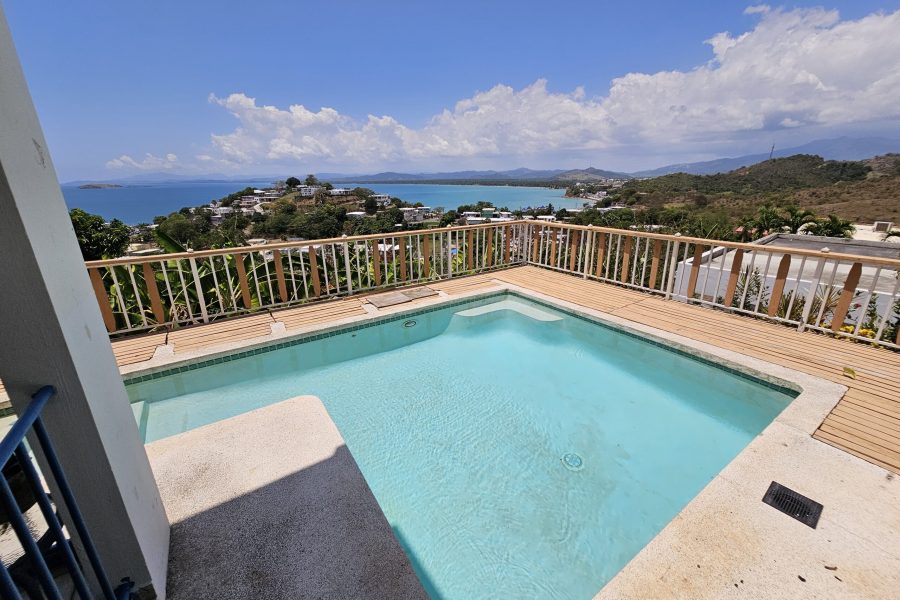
(832, 226)
(767, 219)
(795, 218)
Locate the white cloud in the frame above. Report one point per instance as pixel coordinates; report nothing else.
(149, 162)
(796, 69)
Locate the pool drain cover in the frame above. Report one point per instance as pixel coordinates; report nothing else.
(572, 461)
(410, 323)
(793, 504)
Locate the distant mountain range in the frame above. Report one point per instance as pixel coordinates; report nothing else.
(843, 148)
(520, 174)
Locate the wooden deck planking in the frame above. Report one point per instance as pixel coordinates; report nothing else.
(316, 314)
(137, 348)
(866, 422)
(219, 332)
(464, 284)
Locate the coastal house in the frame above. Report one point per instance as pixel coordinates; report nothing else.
(381, 199)
(340, 192)
(308, 191)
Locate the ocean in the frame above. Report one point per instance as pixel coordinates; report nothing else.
(135, 204)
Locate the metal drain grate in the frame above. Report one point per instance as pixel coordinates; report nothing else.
(793, 504)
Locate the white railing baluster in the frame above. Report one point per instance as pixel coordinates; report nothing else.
(796, 291)
(827, 293)
(200, 296)
(212, 268)
(137, 294)
(865, 303)
(184, 290)
(346, 249)
(122, 305)
(890, 306)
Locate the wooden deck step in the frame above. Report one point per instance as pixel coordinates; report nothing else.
(137, 348)
(221, 332)
(322, 313)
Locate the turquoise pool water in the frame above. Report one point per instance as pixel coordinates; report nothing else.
(518, 451)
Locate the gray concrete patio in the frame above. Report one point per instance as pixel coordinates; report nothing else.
(271, 504)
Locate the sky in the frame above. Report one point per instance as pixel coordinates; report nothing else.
(240, 88)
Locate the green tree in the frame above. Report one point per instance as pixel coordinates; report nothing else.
(832, 226)
(311, 180)
(292, 182)
(98, 239)
(767, 220)
(180, 228)
(795, 218)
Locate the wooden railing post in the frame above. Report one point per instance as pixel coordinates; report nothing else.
(279, 276)
(507, 242)
(601, 253)
(109, 319)
(778, 288)
(846, 297)
(153, 291)
(695, 271)
(242, 281)
(654, 263)
(626, 258)
(376, 261)
(314, 271)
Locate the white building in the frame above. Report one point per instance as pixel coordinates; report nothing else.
(356, 214)
(308, 191)
(382, 199)
(341, 192)
(413, 214)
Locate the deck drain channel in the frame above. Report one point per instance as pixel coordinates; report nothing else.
(572, 461)
(793, 504)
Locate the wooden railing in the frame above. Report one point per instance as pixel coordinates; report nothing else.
(841, 294)
(196, 287)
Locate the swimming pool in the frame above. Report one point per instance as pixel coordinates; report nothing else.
(517, 450)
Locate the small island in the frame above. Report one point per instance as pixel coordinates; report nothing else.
(98, 186)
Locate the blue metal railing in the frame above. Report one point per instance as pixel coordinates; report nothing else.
(13, 453)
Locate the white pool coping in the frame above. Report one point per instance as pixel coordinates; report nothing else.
(726, 542)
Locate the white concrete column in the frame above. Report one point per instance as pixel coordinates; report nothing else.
(51, 332)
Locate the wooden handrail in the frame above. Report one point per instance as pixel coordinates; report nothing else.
(132, 260)
(872, 260)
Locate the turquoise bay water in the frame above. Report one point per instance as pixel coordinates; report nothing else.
(515, 457)
(451, 196)
(135, 204)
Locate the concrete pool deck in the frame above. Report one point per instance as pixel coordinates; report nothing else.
(270, 504)
(726, 542)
